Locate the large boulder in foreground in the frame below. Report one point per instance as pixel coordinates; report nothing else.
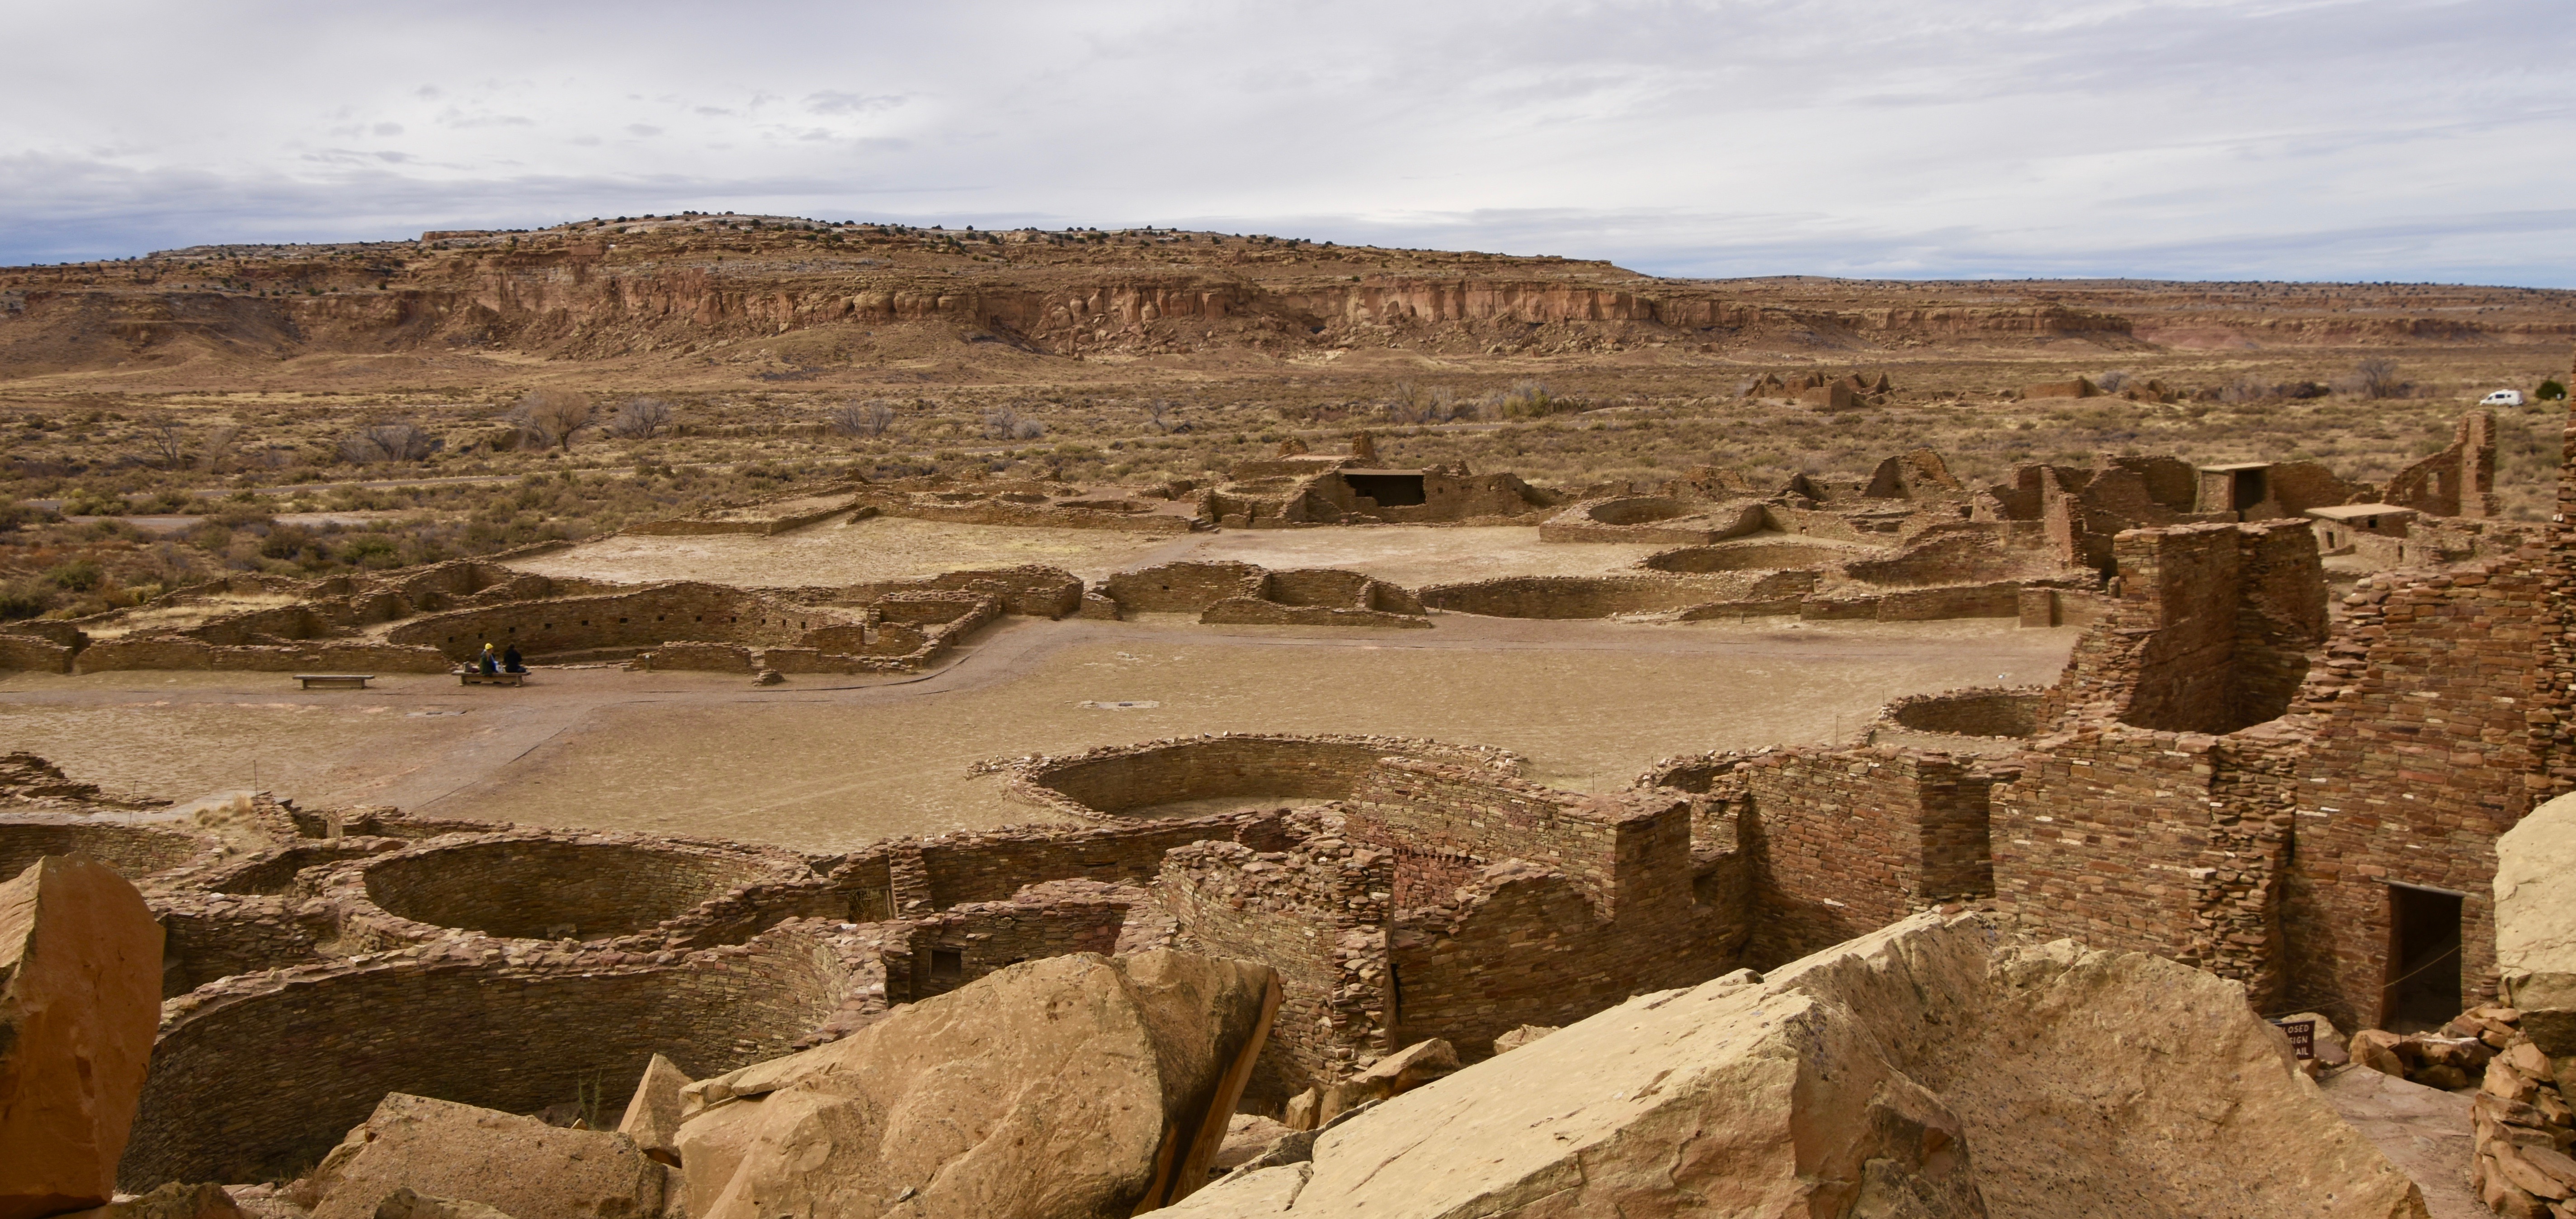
(1926, 1071)
(2535, 921)
(1068, 1088)
(80, 1000)
(455, 1154)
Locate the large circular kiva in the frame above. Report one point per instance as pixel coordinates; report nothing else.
(545, 888)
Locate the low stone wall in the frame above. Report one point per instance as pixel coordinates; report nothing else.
(134, 850)
(1182, 588)
(992, 865)
(256, 1077)
(30, 654)
(956, 946)
(1030, 589)
(1574, 596)
(1107, 781)
(644, 618)
(1651, 519)
(1749, 556)
(996, 511)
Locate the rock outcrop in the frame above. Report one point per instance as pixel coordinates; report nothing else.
(1929, 1069)
(1064, 1088)
(2535, 921)
(452, 1154)
(653, 1116)
(80, 996)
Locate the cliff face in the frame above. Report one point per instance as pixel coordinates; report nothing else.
(676, 286)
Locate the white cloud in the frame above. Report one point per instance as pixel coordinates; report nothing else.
(2284, 138)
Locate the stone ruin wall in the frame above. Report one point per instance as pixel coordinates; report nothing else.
(256, 1077)
(1843, 842)
(2429, 738)
(1316, 911)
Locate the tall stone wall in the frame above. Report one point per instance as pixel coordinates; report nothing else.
(1842, 842)
(1316, 912)
(2429, 742)
(2209, 631)
(2162, 842)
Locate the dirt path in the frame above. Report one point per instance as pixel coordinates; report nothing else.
(831, 764)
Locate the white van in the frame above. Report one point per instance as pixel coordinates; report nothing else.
(2502, 397)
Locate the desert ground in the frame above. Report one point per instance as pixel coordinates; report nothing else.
(831, 764)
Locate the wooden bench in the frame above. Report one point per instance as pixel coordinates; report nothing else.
(335, 681)
(474, 677)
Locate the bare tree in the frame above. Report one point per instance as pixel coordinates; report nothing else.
(2113, 381)
(1159, 413)
(870, 418)
(549, 418)
(388, 440)
(640, 419)
(167, 440)
(2377, 377)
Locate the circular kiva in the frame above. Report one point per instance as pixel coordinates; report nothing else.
(1759, 556)
(257, 1077)
(532, 885)
(134, 850)
(1636, 510)
(1983, 712)
(1126, 780)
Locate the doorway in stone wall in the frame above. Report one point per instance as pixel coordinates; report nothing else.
(2423, 989)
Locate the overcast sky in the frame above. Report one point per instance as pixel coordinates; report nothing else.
(2314, 139)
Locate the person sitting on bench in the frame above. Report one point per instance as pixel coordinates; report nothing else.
(490, 665)
(512, 662)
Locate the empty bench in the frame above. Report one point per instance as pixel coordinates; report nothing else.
(473, 677)
(335, 681)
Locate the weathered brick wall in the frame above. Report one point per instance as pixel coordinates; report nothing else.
(135, 851)
(990, 866)
(1317, 913)
(1971, 712)
(1184, 588)
(2209, 631)
(1843, 842)
(2131, 839)
(640, 619)
(1430, 809)
(257, 1078)
(1575, 596)
(2429, 741)
(949, 949)
(207, 937)
(33, 655)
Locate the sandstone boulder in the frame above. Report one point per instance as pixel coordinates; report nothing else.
(1506, 1042)
(452, 1153)
(1064, 1088)
(80, 1000)
(1927, 1070)
(404, 1204)
(653, 1116)
(2535, 921)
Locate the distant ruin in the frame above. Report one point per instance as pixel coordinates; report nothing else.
(2234, 770)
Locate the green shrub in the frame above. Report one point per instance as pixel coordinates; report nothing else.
(2551, 390)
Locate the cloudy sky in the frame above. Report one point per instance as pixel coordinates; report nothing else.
(2325, 139)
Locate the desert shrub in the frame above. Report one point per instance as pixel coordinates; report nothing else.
(389, 440)
(550, 418)
(2551, 390)
(640, 419)
(2113, 381)
(25, 598)
(79, 575)
(1003, 423)
(2376, 377)
(870, 418)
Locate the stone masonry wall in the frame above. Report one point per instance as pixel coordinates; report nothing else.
(1318, 914)
(2428, 743)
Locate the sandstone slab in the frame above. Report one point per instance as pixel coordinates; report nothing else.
(1930, 1069)
(80, 1000)
(456, 1153)
(2535, 922)
(1065, 1088)
(653, 1115)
